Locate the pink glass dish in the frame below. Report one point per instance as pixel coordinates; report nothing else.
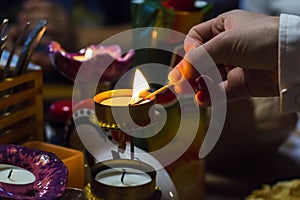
(50, 172)
(69, 63)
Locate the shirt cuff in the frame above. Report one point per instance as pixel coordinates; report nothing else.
(289, 62)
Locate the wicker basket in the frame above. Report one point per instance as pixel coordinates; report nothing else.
(21, 108)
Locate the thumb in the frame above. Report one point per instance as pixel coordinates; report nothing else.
(198, 61)
(206, 56)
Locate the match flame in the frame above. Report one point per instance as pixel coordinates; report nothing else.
(140, 85)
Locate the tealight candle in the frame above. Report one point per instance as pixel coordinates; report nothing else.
(10, 174)
(116, 101)
(123, 177)
(120, 101)
(123, 180)
(88, 55)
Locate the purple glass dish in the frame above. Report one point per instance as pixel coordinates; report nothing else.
(50, 172)
(68, 63)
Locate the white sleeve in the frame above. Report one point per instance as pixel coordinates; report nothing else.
(289, 62)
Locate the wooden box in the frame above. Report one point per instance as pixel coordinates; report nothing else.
(21, 108)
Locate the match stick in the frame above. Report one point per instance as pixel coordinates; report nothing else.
(155, 93)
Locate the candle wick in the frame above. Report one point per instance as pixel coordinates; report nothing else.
(123, 175)
(10, 173)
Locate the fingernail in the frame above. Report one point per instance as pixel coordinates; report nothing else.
(174, 76)
(203, 98)
(191, 47)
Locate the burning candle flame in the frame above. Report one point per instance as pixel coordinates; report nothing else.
(140, 84)
(88, 54)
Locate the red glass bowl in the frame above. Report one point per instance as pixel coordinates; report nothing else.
(68, 63)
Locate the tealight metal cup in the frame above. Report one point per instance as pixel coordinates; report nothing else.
(139, 113)
(140, 192)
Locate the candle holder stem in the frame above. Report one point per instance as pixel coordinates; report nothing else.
(131, 140)
(121, 140)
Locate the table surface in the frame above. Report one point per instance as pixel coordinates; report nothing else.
(284, 166)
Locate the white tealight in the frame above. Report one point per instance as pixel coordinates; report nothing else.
(14, 175)
(116, 101)
(131, 177)
(120, 101)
